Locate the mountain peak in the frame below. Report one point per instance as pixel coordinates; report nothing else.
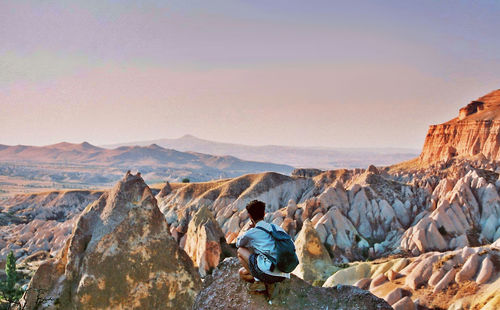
(188, 137)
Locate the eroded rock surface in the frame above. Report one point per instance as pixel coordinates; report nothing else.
(120, 255)
(475, 131)
(40, 222)
(205, 242)
(224, 290)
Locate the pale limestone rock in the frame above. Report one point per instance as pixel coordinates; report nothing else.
(392, 275)
(363, 284)
(314, 260)
(486, 271)
(421, 273)
(404, 304)
(380, 279)
(232, 225)
(448, 278)
(437, 276)
(291, 208)
(497, 234)
(435, 239)
(469, 269)
(394, 296)
(401, 213)
(490, 227)
(349, 275)
(316, 218)
(321, 230)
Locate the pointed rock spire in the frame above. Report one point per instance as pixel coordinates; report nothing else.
(120, 255)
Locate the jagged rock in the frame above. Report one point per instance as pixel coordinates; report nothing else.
(404, 304)
(448, 278)
(372, 169)
(469, 269)
(165, 190)
(486, 271)
(394, 296)
(437, 276)
(120, 255)
(421, 273)
(314, 260)
(378, 280)
(205, 242)
(291, 208)
(392, 275)
(224, 290)
(363, 284)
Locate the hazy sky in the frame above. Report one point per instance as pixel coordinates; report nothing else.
(347, 74)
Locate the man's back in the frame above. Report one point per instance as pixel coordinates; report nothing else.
(262, 243)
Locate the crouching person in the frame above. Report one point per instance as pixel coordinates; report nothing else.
(265, 251)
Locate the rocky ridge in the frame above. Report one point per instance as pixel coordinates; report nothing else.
(360, 213)
(475, 132)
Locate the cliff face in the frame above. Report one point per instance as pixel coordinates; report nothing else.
(475, 131)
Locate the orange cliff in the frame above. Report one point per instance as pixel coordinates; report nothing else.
(475, 131)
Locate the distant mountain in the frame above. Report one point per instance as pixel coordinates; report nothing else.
(316, 157)
(86, 164)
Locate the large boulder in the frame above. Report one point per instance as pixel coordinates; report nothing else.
(120, 255)
(224, 290)
(205, 242)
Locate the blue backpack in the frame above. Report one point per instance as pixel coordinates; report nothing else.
(287, 259)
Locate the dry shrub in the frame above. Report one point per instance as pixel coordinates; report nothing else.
(439, 264)
(443, 299)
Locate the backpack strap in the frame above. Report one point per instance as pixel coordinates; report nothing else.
(273, 261)
(261, 228)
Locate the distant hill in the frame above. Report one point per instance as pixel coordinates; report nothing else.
(67, 165)
(311, 157)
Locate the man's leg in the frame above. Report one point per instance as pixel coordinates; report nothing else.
(244, 256)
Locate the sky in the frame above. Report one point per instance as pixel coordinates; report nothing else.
(285, 72)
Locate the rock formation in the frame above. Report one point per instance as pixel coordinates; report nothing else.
(314, 261)
(120, 255)
(41, 222)
(224, 290)
(470, 207)
(205, 242)
(469, 272)
(475, 131)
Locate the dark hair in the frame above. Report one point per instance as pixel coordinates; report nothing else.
(256, 209)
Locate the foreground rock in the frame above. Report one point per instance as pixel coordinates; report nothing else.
(314, 261)
(120, 255)
(224, 290)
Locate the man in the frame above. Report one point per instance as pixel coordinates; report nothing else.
(254, 248)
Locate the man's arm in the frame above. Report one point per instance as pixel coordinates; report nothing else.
(245, 240)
